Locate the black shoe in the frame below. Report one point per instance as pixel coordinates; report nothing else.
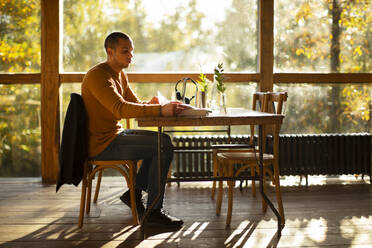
(125, 198)
(160, 218)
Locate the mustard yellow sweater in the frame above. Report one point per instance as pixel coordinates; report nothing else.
(108, 98)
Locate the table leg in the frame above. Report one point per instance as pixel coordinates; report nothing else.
(261, 178)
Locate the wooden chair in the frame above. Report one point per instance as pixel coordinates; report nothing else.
(227, 159)
(127, 168)
(257, 104)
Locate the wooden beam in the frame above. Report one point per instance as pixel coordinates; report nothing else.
(72, 77)
(166, 77)
(323, 78)
(50, 90)
(20, 78)
(279, 78)
(266, 43)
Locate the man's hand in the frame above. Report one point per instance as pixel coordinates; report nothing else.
(173, 108)
(154, 100)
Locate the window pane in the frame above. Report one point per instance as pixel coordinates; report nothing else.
(20, 36)
(168, 35)
(67, 89)
(238, 95)
(340, 108)
(323, 36)
(20, 141)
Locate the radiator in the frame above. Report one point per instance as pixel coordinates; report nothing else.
(193, 154)
(325, 154)
(299, 154)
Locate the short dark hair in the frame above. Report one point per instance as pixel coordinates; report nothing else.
(113, 38)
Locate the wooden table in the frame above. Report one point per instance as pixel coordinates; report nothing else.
(233, 117)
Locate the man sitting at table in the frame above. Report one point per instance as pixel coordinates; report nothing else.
(108, 98)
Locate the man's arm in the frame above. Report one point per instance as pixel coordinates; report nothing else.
(103, 88)
(131, 96)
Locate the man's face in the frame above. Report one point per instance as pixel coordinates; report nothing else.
(121, 56)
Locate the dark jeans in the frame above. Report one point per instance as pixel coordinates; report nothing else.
(143, 145)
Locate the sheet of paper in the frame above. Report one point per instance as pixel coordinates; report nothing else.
(192, 111)
(162, 100)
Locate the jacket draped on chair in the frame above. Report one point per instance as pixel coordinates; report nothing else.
(73, 150)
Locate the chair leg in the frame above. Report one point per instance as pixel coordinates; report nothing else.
(214, 173)
(220, 189)
(230, 202)
(231, 185)
(213, 187)
(82, 199)
(98, 186)
(219, 198)
(89, 194)
(253, 172)
(131, 185)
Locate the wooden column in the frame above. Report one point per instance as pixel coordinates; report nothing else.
(50, 21)
(266, 44)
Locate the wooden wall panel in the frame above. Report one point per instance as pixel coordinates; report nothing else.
(266, 44)
(49, 90)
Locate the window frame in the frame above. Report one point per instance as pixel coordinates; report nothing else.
(51, 77)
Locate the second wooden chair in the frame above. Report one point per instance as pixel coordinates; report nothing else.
(226, 160)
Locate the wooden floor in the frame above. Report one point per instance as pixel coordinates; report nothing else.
(328, 213)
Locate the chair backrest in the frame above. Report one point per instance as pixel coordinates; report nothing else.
(270, 102)
(275, 102)
(258, 104)
(258, 99)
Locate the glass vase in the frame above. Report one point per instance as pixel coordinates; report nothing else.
(223, 108)
(213, 101)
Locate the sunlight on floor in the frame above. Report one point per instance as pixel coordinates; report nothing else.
(322, 180)
(318, 234)
(200, 230)
(237, 231)
(295, 181)
(354, 229)
(310, 232)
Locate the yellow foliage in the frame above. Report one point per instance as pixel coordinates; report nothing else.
(356, 103)
(357, 51)
(299, 51)
(304, 12)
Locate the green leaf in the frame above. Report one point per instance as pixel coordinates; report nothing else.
(218, 76)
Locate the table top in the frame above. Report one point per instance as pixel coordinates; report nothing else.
(234, 116)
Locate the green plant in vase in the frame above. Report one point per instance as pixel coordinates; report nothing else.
(218, 76)
(203, 86)
(203, 82)
(220, 85)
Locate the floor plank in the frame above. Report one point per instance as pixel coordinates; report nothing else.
(331, 212)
